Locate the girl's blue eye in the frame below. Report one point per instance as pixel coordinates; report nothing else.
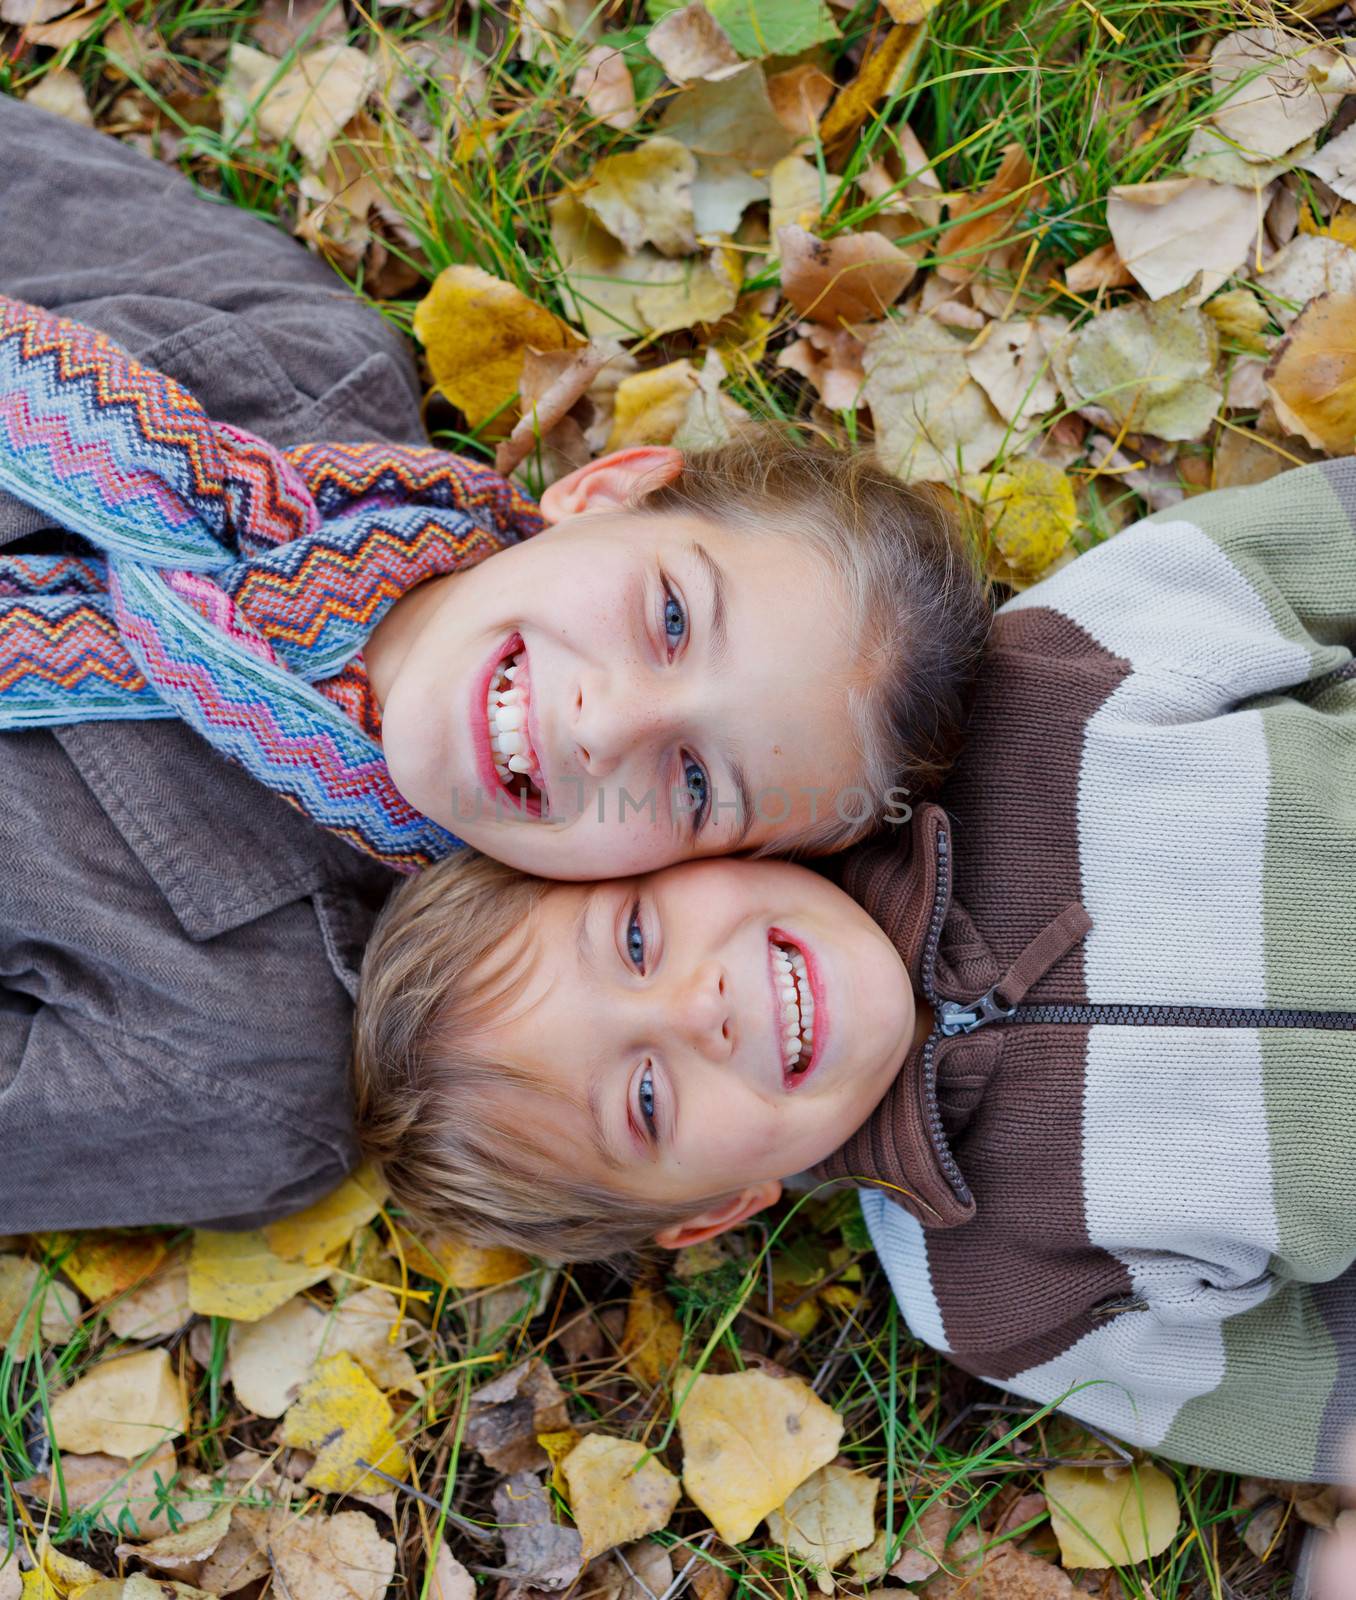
(645, 1095)
(675, 618)
(635, 940)
(698, 787)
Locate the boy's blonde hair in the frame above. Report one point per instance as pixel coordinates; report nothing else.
(444, 1121)
(918, 609)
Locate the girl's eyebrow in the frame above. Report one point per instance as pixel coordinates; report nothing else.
(715, 576)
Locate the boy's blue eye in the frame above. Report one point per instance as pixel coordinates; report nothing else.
(675, 618)
(699, 789)
(635, 939)
(645, 1095)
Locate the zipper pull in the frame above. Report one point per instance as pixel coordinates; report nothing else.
(954, 1018)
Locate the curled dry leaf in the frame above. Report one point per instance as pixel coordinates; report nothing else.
(799, 96)
(1277, 89)
(884, 68)
(829, 1516)
(1100, 269)
(932, 419)
(1312, 377)
(125, 1406)
(1167, 232)
(538, 1552)
(749, 1440)
(1335, 163)
(618, 1492)
(689, 43)
(993, 211)
(1151, 367)
(644, 196)
(185, 1547)
(508, 1412)
(33, 1304)
(852, 277)
(1309, 266)
(345, 1419)
(1240, 316)
(1030, 515)
(475, 329)
(1106, 1517)
(831, 358)
(1010, 362)
(604, 84)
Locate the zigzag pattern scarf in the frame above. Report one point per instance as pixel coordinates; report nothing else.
(227, 583)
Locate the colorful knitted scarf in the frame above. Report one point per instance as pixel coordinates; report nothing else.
(225, 582)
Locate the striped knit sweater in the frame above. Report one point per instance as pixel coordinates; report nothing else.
(1147, 1215)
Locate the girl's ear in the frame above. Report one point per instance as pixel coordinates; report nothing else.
(610, 481)
(728, 1214)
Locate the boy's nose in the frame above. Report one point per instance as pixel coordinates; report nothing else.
(702, 1013)
(612, 715)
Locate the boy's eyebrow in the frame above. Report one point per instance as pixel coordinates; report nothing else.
(583, 938)
(720, 637)
(601, 1143)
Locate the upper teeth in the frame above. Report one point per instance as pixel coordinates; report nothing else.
(792, 979)
(506, 712)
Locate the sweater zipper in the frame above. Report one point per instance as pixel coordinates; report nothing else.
(954, 1018)
(941, 899)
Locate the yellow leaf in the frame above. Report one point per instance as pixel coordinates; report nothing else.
(644, 196)
(557, 1443)
(236, 1275)
(749, 1440)
(1106, 1517)
(315, 1234)
(1312, 378)
(1030, 515)
(652, 1340)
(101, 1265)
(343, 1417)
(699, 289)
(124, 1406)
(885, 68)
(457, 1265)
(651, 404)
(36, 1584)
(1240, 316)
(67, 1575)
(475, 330)
(832, 1514)
(616, 1494)
(28, 1305)
(910, 10)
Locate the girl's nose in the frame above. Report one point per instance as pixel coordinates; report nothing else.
(613, 714)
(701, 1012)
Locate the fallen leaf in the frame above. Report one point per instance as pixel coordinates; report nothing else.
(1011, 364)
(600, 280)
(651, 405)
(475, 329)
(307, 104)
(1151, 367)
(236, 1275)
(1243, 458)
(931, 418)
(507, 1413)
(852, 277)
(924, 1548)
(885, 67)
(829, 1516)
(317, 1557)
(1335, 163)
(1312, 376)
(242, 1556)
(123, 1406)
(124, 1497)
(185, 1547)
(831, 358)
(545, 22)
(451, 1580)
(652, 1339)
(750, 1439)
(156, 1308)
(1108, 1517)
(140, 1587)
(604, 84)
(61, 92)
(1263, 1531)
(721, 191)
(458, 1265)
(24, 13)
(1240, 315)
(343, 1417)
(272, 1358)
(68, 29)
(369, 1326)
(1167, 232)
(11, 1581)
(537, 1551)
(32, 1302)
(729, 117)
(616, 1493)
(1212, 154)
(758, 28)
(1007, 1574)
(1309, 266)
(1100, 269)
(1029, 515)
(326, 1226)
(993, 211)
(799, 97)
(701, 289)
(689, 43)
(644, 196)
(283, 25)
(101, 1265)
(712, 418)
(1277, 89)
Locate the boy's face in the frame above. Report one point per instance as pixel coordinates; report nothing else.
(671, 1013)
(662, 669)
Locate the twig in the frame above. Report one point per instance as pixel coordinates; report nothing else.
(472, 1530)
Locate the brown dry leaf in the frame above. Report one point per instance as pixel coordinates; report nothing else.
(1267, 112)
(644, 196)
(700, 289)
(729, 117)
(24, 13)
(616, 1493)
(1309, 266)
(281, 25)
(1150, 366)
(829, 1516)
(339, 1557)
(1012, 190)
(652, 1340)
(126, 1496)
(538, 1552)
(552, 384)
(236, 1275)
(931, 418)
(885, 66)
(475, 329)
(1166, 232)
(1010, 362)
(796, 196)
(185, 1547)
(157, 1308)
(831, 358)
(30, 1306)
(1243, 458)
(345, 1419)
(1106, 1517)
(451, 1580)
(124, 1406)
(1029, 514)
(852, 277)
(1007, 1574)
(1100, 269)
(343, 192)
(689, 43)
(799, 97)
(1312, 376)
(139, 1587)
(749, 1440)
(69, 29)
(315, 97)
(508, 1413)
(604, 84)
(241, 1557)
(924, 1549)
(61, 93)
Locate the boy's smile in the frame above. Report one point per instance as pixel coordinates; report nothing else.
(713, 1026)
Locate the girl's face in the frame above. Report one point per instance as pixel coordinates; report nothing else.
(715, 1025)
(622, 692)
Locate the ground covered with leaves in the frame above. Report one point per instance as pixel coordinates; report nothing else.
(1075, 260)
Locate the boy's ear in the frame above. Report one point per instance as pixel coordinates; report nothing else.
(610, 481)
(728, 1214)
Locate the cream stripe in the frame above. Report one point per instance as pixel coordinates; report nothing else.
(900, 1244)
